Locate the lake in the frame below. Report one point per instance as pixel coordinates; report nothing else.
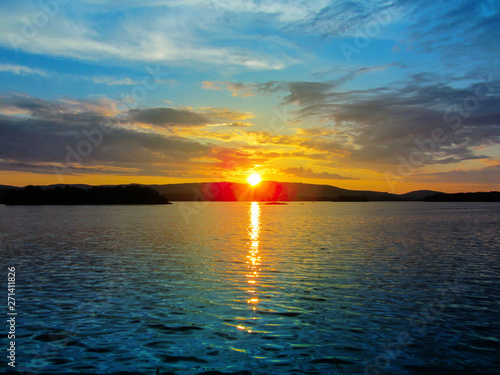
(248, 288)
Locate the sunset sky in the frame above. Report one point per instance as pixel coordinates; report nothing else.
(381, 95)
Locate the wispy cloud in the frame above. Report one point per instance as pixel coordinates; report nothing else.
(272, 87)
(173, 34)
(23, 70)
(487, 175)
(236, 89)
(111, 81)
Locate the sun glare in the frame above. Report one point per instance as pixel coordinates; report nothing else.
(254, 179)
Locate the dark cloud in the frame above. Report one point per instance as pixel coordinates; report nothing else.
(44, 168)
(37, 107)
(47, 141)
(57, 133)
(487, 175)
(301, 93)
(168, 116)
(380, 125)
(386, 126)
(308, 173)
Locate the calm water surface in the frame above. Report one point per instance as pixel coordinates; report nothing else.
(312, 288)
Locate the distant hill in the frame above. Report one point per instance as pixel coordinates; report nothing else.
(418, 195)
(273, 191)
(266, 191)
(277, 191)
(492, 196)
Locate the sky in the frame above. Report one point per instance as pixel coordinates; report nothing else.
(371, 95)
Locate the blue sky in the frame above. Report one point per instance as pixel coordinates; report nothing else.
(385, 95)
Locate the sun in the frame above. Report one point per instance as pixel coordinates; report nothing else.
(254, 179)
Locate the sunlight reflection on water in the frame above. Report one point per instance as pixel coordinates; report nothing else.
(253, 257)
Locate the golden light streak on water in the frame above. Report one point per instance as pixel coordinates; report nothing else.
(254, 259)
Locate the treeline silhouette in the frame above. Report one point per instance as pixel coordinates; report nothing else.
(97, 195)
(492, 196)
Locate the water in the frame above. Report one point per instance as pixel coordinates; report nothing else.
(312, 288)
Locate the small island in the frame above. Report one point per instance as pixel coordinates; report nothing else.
(96, 195)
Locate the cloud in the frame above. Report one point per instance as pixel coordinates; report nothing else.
(455, 27)
(236, 89)
(308, 173)
(233, 158)
(180, 117)
(176, 34)
(441, 30)
(382, 125)
(487, 175)
(110, 81)
(224, 114)
(345, 18)
(377, 128)
(22, 70)
(292, 155)
(65, 134)
(389, 125)
(239, 124)
(283, 11)
(353, 73)
(48, 168)
(168, 116)
(196, 31)
(58, 111)
(298, 91)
